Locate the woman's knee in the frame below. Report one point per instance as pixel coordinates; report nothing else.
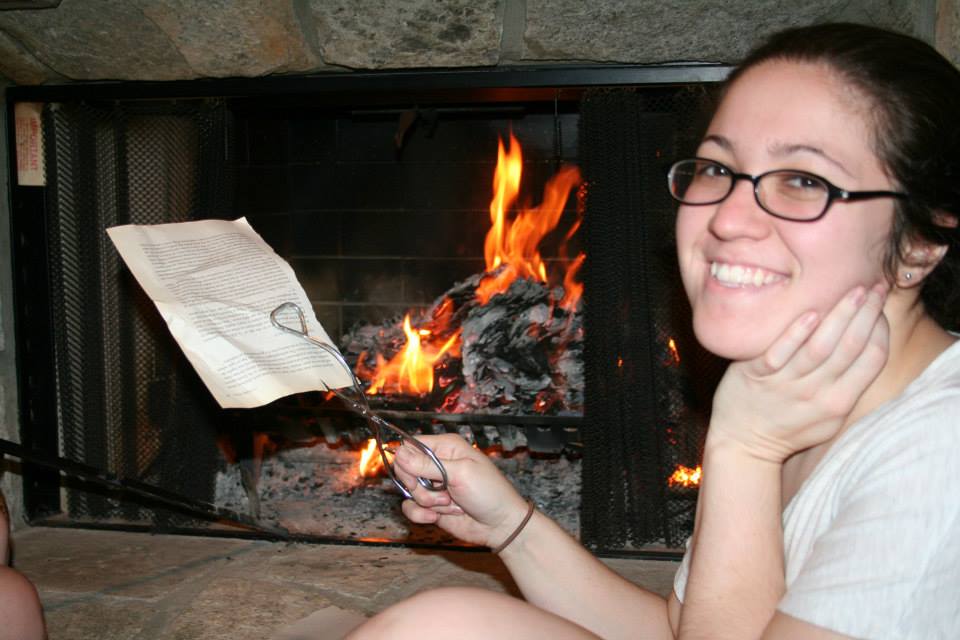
(20, 607)
(467, 613)
(437, 613)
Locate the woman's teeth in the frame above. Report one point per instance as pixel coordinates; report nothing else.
(740, 276)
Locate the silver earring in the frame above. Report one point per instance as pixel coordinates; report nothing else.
(908, 276)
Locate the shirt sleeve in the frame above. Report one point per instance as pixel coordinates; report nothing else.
(680, 577)
(888, 566)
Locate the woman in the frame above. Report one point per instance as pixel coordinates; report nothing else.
(21, 614)
(818, 245)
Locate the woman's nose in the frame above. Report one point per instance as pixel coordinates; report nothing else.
(740, 215)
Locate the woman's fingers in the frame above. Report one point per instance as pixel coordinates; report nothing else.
(852, 347)
(787, 345)
(842, 338)
(823, 342)
(419, 514)
(828, 346)
(415, 461)
(863, 366)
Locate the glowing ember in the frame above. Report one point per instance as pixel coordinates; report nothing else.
(411, 370)
(674, 357)
(370, 463)
(685, 477)
(511, 248)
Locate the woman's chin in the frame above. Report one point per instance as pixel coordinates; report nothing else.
(741, 346)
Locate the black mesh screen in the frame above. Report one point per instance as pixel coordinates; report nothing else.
(646, 397)
(128, 401)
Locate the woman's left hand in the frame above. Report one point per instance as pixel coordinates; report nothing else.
(800, 392)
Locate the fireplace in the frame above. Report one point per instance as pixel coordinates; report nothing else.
(376, 188)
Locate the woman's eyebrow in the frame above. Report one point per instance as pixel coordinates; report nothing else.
(720, 141)
(781, 149)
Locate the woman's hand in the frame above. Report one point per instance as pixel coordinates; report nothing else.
(479, 506)
(800, 392)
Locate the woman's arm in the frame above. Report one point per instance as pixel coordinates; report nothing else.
(797, 395)
(557, 574)
(736, 569)
(552, 570)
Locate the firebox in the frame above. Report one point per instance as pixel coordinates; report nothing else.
(380, 190)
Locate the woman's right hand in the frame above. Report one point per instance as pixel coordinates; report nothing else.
(480, 505)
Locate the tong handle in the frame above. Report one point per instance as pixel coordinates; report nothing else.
(374, 422)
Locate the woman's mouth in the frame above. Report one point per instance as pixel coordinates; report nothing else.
(737, 275)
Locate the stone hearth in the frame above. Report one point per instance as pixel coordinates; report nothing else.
(98, 585)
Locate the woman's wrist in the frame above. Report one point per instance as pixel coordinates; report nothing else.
(725, 442)
(510, 540)
(513, 535)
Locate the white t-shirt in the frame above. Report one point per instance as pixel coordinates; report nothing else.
(872, 538)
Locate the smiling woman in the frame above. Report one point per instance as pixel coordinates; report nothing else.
(820, 210)
(806, 266)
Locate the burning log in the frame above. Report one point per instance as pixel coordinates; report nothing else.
(501, 342)
(520, 352)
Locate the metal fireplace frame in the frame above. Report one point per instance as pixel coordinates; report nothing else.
(35, 352)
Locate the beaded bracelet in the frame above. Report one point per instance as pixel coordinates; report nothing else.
(503, 545)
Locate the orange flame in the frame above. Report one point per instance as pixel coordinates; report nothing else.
(685, 476)
(513, 247)
(411, 370)
(370, 463)
(674, 357)
(511, 251)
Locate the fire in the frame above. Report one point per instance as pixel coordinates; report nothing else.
(510, 252)
(370, 462)
(572, 289)
(511, 248)
(674, 356)
(685, 476)
(411, 370)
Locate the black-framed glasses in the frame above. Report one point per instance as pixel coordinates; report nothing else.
(784, 193)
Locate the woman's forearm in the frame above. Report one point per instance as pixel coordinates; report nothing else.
(556, 573)
(736, 573)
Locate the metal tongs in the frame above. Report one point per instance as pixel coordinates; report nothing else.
(375, 423)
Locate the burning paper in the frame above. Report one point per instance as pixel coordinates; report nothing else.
(215, 283)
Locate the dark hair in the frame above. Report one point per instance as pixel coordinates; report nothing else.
(914, 98)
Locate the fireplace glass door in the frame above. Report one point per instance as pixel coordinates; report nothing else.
(540, 318)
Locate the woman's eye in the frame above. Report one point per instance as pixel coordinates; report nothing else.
(801, 182)
(712, 171)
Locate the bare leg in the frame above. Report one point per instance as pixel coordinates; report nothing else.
(20, 608)
(4, 531)
(21, 615)
(465, 613)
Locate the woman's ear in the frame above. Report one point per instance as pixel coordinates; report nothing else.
(918, 257)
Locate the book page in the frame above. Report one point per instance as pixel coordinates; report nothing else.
(215, 282)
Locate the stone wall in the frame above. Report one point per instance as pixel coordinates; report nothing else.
(947, 36)
(186, 39)
(9, 429)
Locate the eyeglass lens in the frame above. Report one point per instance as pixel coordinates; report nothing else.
(789, 194)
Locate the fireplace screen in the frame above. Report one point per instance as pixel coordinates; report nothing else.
(554, 337)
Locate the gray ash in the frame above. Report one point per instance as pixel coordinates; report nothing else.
(317, 491)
